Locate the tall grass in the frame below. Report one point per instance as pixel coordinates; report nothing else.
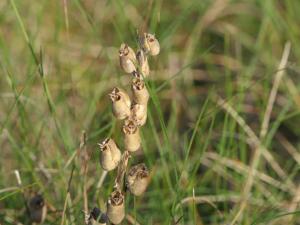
(209, 96)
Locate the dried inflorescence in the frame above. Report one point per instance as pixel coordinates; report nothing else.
(134, 114)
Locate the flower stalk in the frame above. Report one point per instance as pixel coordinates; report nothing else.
(134, 115)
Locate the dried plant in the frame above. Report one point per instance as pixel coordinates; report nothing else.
(110, 155)
(96, 217)
(137, 179)
(37, 209)
(120, 103)
(134, 115)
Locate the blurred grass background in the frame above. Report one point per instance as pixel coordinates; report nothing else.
(210, 85)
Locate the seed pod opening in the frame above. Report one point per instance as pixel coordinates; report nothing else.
(127, 58)
(120, 103)
(139, 114)
(140, 92)
(143, 63)
(137, 179)
(110, 154)
(37, 209)
(132, 139)
(97, 217)
(150, 44)
(116, 207)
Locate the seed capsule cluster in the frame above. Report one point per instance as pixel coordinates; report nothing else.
(133, 114)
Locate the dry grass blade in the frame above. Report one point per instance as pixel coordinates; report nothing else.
(84, 157)
(244, 169)
(235, 198)
(289, 148)
(219, 169)
(293, 205)
(210, 16)
(102, 178)
(293, 90)
(65, 4)
(273, 93)
(131, 220)
(256, 143)
(68, 197)
(8, 189)
(260, 150)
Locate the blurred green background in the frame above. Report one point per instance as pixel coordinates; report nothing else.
(214, 155)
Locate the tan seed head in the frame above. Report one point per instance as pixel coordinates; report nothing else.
(150, 44)
(139, 114)
(139, 91)
(137, 179)
(120, 103)
(116, 207)
(110, 154)
(132, 139)
(127, 58)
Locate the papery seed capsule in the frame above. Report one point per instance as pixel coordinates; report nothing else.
(137, 179)
(116, 207)
(144, 43)
(153, 44)
(150, 44)
(120, 103)
(97, 217)
(132, 139)
(143, 63)
(110, 155)
(127, 58)
(37, 209)
(140, 92)
(139, 114)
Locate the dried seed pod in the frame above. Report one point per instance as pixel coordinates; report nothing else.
(139, 114)
(127, 58)
(116, 207)
(97, 217)
(132, 139)
(137, 179)
(150, 44)
(143, 63)
(110, 155)
(140, 92)
(120, 103)
(37, 209)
